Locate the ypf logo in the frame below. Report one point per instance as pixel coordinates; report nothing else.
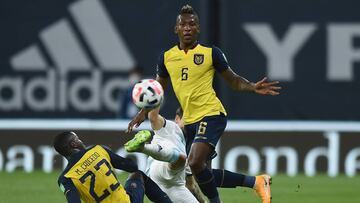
(102, 50)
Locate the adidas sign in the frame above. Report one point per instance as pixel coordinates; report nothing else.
(75, 67)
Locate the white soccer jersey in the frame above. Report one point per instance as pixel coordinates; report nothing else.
(170, 181)
(171, 132)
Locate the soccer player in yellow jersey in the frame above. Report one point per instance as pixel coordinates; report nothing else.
(89, 175)
(190, 67)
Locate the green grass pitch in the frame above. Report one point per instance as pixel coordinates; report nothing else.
(42, 188)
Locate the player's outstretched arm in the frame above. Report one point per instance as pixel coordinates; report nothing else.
(137, 120)
(156, 120)
(70, 191)
(239, 83)
(73, 197)
(161, 152)
(267, 88)
(121, 163)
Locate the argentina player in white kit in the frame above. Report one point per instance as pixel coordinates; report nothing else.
(167, 155)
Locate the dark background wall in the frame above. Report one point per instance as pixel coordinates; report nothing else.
(310, 46)
(308, 92)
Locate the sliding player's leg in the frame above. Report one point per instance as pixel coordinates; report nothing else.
(134, 187)
(171, 181)
(137, 143)
(260, 183)
(138, 183)
(162, 151)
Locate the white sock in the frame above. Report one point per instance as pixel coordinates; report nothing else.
(161, 153)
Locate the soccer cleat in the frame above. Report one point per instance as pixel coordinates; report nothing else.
(262, 187)
(137, 143)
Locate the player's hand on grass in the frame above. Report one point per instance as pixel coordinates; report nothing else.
(267, 88)
(137, 120)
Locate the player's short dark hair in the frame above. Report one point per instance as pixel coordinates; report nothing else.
(61, 143)
(187, 9)
(179, 112)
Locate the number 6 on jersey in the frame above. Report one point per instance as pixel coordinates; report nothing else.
(184, 73)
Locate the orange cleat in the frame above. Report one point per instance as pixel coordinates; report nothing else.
(262, 187)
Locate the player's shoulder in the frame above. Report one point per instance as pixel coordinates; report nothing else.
(216, 49)
(94, 148)
(170, 124)
(210, 49)
(208, 46)
(97, 146)
(205, 46)
(100, 150)
(172, 49)
(78, 156)
(166, 52)
(106, 148)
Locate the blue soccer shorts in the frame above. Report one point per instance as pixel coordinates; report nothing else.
(207, 130)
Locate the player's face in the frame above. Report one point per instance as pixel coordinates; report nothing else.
(76, 143)
(187, 28)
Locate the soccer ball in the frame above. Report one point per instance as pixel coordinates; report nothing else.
(148, 94)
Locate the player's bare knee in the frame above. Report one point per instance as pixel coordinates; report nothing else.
(198, 156)
(197, 165)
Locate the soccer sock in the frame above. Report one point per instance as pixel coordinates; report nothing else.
(206, 182)
(153, 192)
(228, 179)
(161, 153)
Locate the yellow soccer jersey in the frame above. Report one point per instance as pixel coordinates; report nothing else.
(191, 76)
(90, 171)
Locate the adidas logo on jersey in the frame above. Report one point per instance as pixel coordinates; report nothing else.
(74, 67)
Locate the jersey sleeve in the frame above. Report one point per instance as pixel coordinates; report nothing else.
(121, 163)
(69, 190)
(167, 127)
(160, 67)
(219, 60)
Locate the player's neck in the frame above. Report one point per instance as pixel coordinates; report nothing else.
(187, 47)
(73, 151)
